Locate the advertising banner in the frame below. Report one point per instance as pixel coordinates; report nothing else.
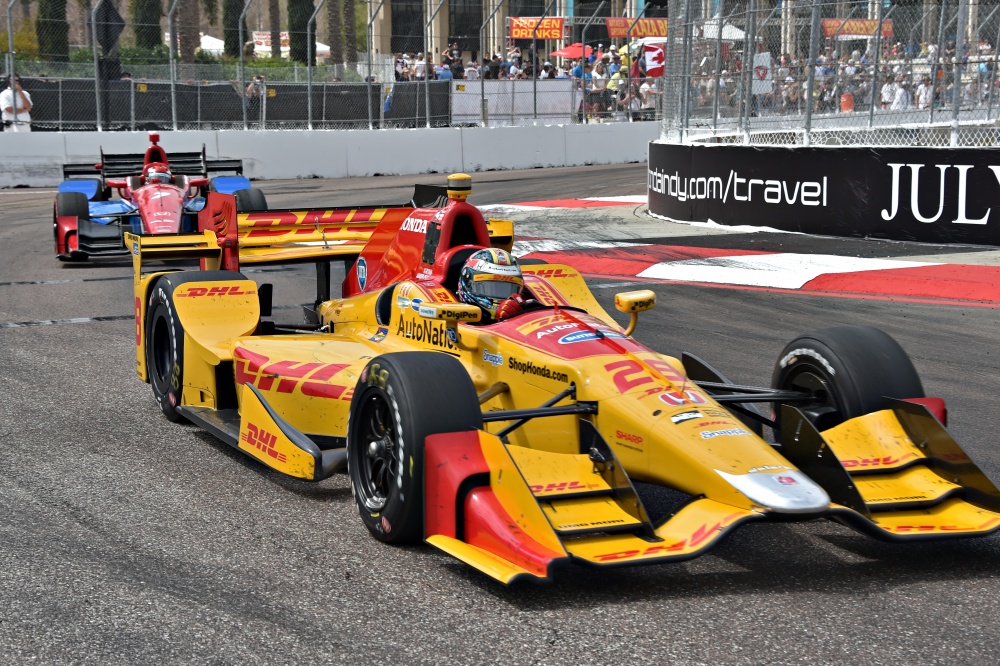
(934, 195)
(854, 28)
(548, 28)
(644, 27)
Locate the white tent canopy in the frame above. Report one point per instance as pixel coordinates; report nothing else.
(730, 33)
(262, 47)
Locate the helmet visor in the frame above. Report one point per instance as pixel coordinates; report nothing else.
(498, 289)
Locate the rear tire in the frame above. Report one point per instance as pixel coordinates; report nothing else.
(401, 399)
(250, 200)
(848, 369)
(165, 338)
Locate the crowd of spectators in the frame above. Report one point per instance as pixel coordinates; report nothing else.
(846, 81)
(613, 86)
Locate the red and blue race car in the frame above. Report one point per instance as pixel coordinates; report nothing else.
(157, 194)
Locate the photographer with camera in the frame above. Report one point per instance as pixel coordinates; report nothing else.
(18, 120)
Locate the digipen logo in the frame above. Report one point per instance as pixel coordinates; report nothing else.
(961, 216)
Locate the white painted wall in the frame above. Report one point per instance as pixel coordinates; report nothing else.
(36, 159)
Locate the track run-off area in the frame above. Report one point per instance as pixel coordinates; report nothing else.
(128, 539)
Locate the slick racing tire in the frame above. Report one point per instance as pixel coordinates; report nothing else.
(165, 338)
(849, 370)
(399, 400)
(250, 200)
(72, 204)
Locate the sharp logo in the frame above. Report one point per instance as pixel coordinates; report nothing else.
(263, 441)
(960, 212)
(414, 225)
(197, 292)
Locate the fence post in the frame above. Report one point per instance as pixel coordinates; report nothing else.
(310, 58)
(97, 72)
(172, 27)
(430, 65)
(484, 120)
(371, 36)
(628, 71)
(534, 57)
(956, 89)
(939, 56)
(10, 48)
(811, 73)
(583, 61)
(749, 51)
(243, 83)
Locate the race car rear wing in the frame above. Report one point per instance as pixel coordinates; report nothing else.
(228, 240)
(130, 164)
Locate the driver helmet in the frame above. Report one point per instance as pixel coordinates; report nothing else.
(488, 278)
(158, 173)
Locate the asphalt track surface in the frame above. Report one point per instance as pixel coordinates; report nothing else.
(126, 539)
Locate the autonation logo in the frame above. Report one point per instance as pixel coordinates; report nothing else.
(770, 191)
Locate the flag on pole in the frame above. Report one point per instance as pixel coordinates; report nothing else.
(655, 59)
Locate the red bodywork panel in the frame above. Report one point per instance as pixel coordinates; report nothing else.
(452, 461)
(415, 248)
(935, 406)
(161, 208)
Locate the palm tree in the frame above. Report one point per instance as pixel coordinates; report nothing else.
(334, 31)
(299, 12)
(52, 30)
(350, 38)
(146, 23)
(231, 10)
(274, 18)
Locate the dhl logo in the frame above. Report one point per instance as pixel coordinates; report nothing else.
(563, 486)
(196, 292)
(884, 461)
(263, 441)
(549, 273)
(909, 529)
(312, 379)
(313, 217)
(543, 293)
(704, 533)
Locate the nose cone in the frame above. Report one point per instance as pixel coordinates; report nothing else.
(789, 491)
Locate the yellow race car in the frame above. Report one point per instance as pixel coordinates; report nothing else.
(514, 444)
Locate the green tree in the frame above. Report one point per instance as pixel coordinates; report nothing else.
(299, 12)
(231, 10)
(52, 30)
(146, 23)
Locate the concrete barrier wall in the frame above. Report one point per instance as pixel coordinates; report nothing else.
(36, 159)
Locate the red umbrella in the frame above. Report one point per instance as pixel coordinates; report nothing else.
(571, 51)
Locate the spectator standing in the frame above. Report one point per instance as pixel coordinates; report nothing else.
(420, 68)
(925, 94)
(16, 98)
(514, 71)
(888, 95)
(254, 96)
(443, 73)
(648, 93)
(902, 100)
(472, 71)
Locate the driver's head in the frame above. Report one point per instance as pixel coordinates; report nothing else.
(157, 173)
(488, 278)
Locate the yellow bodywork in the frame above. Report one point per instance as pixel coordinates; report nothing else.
(660, 427)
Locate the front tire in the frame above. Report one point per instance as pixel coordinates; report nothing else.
(848, 370)
(250, 200)
(400, 400)
(165, 338)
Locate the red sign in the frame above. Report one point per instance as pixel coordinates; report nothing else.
(644, 27)
(524, 28)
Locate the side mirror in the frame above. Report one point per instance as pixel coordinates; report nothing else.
(634, 302)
